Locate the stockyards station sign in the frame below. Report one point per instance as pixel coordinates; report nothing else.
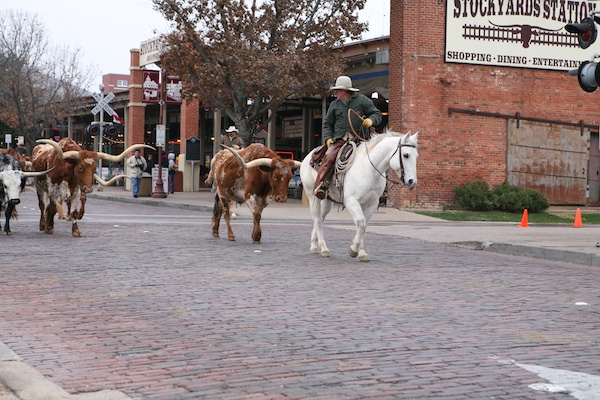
(516, 33)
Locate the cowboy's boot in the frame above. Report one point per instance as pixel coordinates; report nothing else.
(325, 172)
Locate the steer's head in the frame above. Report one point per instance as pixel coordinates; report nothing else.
(12, 179)
(10, 187)
(84, 163)
(278, 171)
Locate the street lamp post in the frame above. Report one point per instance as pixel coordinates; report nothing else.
(100, 137)
(160, 189)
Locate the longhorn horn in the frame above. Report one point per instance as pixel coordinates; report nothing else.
(259, 162)
(37, 174)
(63, 155)
(110, 157)
(110, 181)
(297, 164)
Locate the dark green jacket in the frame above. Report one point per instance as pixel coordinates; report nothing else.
(335, 124)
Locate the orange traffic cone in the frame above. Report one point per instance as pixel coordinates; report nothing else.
(524, 223)
(577, 223)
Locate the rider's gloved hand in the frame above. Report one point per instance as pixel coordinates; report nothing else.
(367, 123)
(329, 142)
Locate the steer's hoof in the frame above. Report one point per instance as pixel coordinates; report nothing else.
(352, 253)
(77, 234)
(231, 238)
(49, 231)
(7, 233)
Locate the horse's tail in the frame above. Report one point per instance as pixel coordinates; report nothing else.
(305, 198)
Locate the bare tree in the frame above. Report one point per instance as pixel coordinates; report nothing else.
(39, 84)
(246, 57)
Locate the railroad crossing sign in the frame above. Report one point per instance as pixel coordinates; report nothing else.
(103, 103)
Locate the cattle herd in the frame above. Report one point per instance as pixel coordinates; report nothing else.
(63, 172)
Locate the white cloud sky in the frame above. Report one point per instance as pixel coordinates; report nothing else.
(105, 31)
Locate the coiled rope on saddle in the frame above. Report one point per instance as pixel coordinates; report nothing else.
(345, 157)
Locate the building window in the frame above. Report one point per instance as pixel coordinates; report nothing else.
(121, 83)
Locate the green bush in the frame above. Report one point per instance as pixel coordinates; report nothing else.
(476, 196)
(509, 198)
(536, 202)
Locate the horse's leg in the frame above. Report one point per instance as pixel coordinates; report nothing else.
(314, 212)
(357, 248)
(319, 210)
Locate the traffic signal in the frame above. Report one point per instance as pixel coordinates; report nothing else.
(92, 129)
(110, 130)
(588, 75)
(586, 31)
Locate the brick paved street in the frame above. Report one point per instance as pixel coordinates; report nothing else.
(166, 311)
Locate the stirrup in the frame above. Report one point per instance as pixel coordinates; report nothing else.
(321, 191)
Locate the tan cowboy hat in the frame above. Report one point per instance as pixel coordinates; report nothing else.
(344, 83)
(231, 129)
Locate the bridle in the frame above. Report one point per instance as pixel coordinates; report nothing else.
(401, 159)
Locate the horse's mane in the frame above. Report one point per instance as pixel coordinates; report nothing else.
(377, 138)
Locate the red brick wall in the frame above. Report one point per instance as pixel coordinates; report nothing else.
(459, 148)
(137, 110)
(190, 115)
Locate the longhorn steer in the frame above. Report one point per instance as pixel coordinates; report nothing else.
(253, 175)
(19, 157)
(12, 183)
(72, 178)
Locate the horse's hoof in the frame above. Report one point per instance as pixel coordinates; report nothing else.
(353, 253)
(314, 250)
(325, 253)
(7, 233)
(231, 238)
(233, 216)
(49, 231)
(215, 235)
(364, 258)
(77, 234)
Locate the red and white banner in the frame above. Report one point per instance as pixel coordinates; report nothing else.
(173, 90)
(151, 86)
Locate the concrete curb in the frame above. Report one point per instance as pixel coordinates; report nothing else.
(19, 381)
(575, 257)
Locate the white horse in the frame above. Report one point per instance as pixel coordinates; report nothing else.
(363, 185)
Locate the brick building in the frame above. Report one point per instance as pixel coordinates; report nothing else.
(495, 109)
